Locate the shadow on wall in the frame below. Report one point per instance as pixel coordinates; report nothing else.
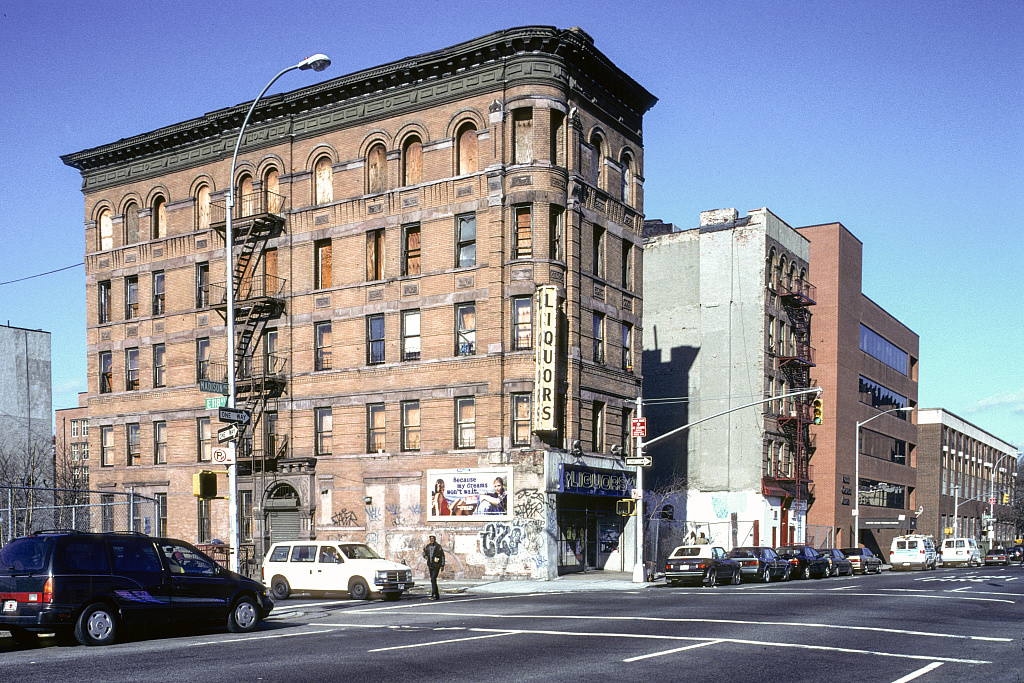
(667, 380)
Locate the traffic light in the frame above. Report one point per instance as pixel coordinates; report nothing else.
(626, 507)
(204, 485)
(817, 411)
(1006, 499)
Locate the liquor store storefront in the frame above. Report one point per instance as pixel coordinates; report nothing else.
(591, 534)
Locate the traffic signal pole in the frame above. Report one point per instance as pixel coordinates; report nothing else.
(638, 568)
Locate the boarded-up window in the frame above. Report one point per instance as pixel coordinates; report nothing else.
(272, 189)
(412, 250)
(270, 270)
(106, 231)
(375, 254)
(412, 161)
(131, 223)
(522, 144)
(322, 266)
(324, 181)
(376, 170)
(246, 199)
(467, 141)
(159, 218)
(524, 233)
(557, 138)
(203, 208)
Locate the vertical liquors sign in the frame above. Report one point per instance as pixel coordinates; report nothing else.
(545, 304)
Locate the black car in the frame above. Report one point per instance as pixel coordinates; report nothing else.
(760, 563)
(805, 562)
(863, 560)
(93, 585)
(838, 562)
(1015, 553)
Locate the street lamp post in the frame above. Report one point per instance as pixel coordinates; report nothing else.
(992, 493)
(856, 469)
(317, 62)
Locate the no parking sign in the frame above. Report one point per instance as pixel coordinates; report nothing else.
(224, 455)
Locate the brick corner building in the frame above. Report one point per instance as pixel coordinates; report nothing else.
(437, 272)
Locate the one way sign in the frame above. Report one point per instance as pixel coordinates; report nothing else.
(236, 415)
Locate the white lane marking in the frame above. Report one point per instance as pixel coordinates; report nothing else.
(403, 604)
(841, 588)
(263, 636)
(920, 672)
(672, 651)
(911, 594)
(741, 622)
(443, 642)
(740, 641)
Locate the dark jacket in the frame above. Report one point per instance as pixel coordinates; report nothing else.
(433, 553)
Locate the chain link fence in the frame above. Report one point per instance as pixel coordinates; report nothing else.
(27, 509)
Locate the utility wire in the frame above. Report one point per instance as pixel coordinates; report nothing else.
(49, 272)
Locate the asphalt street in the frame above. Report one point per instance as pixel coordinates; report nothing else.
(944, 625)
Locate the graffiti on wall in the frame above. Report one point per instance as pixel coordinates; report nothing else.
(344, 518)
(529, 503)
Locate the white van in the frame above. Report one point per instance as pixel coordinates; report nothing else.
(913, 550)
(963, 551)
(332, 566)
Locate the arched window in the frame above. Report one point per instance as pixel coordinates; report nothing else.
(596, 159)
(272, 191)
(769, 264)
(323, 180)
(203, 207)
(412, 161)
(466, 139)
(376, 169)
(131, 223)
(627, 179)
(159, 217)
(246, 200)
(106, 230)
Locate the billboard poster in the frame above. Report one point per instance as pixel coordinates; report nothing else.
(470, 493)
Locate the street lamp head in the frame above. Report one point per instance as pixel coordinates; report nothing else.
(317, 62)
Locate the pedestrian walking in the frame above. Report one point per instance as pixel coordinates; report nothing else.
(433, 553)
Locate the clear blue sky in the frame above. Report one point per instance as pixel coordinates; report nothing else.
(902, 120)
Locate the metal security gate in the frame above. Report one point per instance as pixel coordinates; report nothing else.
(284, 525)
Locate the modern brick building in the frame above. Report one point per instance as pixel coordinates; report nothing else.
(726, 324)
(964, 475)
(437, 273)
(866, 364)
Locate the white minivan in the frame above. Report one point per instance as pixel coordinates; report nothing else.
(913, 550)
(963, 551)
(333, 566)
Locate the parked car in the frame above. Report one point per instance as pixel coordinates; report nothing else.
(963, 551)
(760, 563)
(805, 562)
(94, 585)
(333, 566)
(863, 560)
(701, 564)
(997, 556)
(1015, 553)
(837, 562)
(913, 550)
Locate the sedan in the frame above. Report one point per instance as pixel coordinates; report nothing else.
(760, 563)
(805, 561)
(837, 561)
(997, 556)
(1015, 553)
(863, 560)
(701, 564)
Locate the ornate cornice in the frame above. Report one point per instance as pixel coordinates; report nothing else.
(532, 54)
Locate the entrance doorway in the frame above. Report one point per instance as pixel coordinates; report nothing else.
(589, 531)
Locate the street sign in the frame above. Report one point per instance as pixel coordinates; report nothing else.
(216, 402)
(223, 455)
(643, 461)
(236, 415)
(227, 434)
(992, 501)
(213, 387)
(638, 427)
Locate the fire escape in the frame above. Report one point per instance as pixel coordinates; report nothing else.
(260, 371)
(796, 297)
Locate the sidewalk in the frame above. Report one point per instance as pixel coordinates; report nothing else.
(590, 581)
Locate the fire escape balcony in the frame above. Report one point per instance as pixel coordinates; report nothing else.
(264, 294)
(265, 458)
(264, 374)
(797, 291)
(255, 214)
(800, 354)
